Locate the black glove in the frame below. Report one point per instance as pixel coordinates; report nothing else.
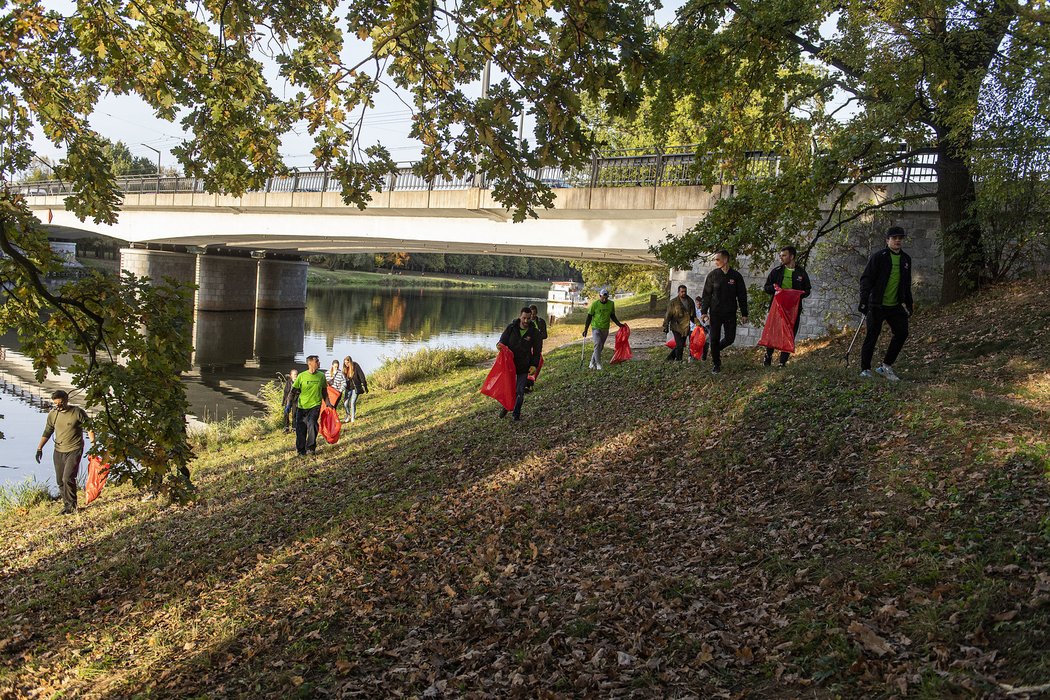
(863, 308)
(584, 332)
(39, 456)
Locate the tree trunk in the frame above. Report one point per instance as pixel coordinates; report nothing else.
(960, 230)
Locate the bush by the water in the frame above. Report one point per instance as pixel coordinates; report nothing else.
(426, 364)
(23, 495)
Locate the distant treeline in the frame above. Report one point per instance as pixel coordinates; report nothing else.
(514, 266)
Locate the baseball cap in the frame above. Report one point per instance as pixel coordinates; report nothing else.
(603, 292)
(895, 231)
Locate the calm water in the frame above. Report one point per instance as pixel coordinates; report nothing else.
(236, 353)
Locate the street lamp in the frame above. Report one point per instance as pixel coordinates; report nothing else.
(158, 156)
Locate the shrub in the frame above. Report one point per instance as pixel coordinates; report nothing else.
(23, 495)
(425, 364)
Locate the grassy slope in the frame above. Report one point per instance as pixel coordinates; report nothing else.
(408, 278)
(646, 529)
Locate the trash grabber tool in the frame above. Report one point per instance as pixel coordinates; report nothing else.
(852, 342)
(583, 351)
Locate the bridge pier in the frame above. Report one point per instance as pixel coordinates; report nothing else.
(280, 318)
(159, 264)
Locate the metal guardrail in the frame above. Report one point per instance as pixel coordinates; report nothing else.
(677, 167)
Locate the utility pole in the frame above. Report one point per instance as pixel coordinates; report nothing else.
(479, 177)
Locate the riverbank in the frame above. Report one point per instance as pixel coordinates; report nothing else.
(410, 279)
(647, 529)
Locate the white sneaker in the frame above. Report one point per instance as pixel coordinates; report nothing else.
(598, 367)
(866, 374)
(887, 372)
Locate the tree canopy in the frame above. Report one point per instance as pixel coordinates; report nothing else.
(843, 92)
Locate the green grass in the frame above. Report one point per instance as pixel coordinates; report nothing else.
(23, 496)
(427, 363)
(355, 278)
(731, 535)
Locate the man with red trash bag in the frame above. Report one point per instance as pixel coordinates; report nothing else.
(787, 275)
(680, 312)
(522, 338)
(724, 289)
(313, 389)
(67, 423)
(885, 296)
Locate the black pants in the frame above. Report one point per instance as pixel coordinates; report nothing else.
(306, 429)
(723, 333)
(67, 466)
(680, 343)
(785, 355)
(523, 380)
(897, 319)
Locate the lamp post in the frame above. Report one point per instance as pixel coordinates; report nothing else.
(158, 163)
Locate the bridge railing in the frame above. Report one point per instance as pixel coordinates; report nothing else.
(675, 167)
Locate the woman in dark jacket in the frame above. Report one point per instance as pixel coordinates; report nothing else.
(356, 384)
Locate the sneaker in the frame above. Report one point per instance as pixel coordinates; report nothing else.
(716, 370)
(517, 417)
(866, 374)
(887, 372)
(503, 413)
(781, 365)
(767, 360)
(598, 366)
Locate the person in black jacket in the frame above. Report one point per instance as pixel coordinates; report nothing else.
(724, 289)
(290, 399)
(885, 295)
(541, 327)
(523, 339)
(787, 275)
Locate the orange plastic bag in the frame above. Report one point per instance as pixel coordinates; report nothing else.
(329, 423)
(622, 345)
(697, 340)
(501, 384)
(97, 475)
(779, 331)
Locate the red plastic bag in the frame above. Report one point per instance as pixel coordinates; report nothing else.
(622, 345)
(501, 384)
(97, 475)
(697, 340)
(329, 423)
(779, 331)
(534, 377)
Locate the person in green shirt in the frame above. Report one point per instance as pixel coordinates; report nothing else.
(787, 275)
(885, 297)
(602, 310)
(313, 389)
(67, 423)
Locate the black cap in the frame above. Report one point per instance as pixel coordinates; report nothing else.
(895, 231)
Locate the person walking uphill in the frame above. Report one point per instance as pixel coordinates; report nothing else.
(787, 275)
(67, 423)
(602, 310)
(541, 328)
(356, 384)
(885, 295)
(724, 290)
(313, 389)
(680, 312)
(522, 338)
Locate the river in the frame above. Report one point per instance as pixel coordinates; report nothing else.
(236, 353)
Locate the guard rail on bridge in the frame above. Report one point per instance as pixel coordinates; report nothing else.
(629, 168)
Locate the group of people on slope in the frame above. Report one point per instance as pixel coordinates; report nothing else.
(885, 297)
(724, 294)
(304, 392)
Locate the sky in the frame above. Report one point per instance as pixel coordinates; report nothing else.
(128, 119)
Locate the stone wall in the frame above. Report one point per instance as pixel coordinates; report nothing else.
(225, 283)
(834, 267)
(159, 264)
(282, 284)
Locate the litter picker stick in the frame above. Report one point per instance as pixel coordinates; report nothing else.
(583, 351)
(852, 342)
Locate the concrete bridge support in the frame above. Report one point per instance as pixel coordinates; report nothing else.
(159, 264)
(280, 318)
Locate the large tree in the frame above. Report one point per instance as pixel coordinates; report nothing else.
(205, 64)
(842, 92)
